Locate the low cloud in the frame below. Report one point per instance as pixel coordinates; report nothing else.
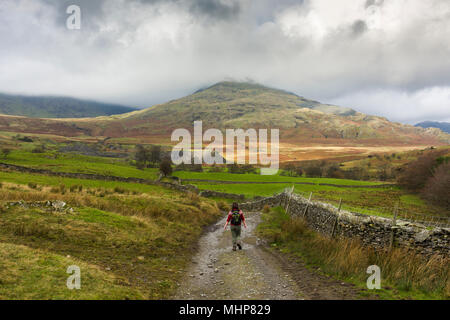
(430, 103)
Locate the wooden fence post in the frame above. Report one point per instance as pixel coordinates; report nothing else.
(285, 199)
(337, 219)
(289, 200)
(307, 205)
(394, 223)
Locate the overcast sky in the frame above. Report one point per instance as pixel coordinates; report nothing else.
(381, 57)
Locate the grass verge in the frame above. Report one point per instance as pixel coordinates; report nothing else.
(128, 246)
(405, 274)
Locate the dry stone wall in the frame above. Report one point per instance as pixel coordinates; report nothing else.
(322, 217)
(373, 231)
(216, 194)
(88, 176)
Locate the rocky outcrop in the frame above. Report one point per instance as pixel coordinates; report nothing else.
(56, 206)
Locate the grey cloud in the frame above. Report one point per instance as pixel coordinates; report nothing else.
(143, 52)
(215, 9)
(93, 9)
(373, 3)
(359, 27)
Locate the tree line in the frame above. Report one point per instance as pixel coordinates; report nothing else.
(429, 176)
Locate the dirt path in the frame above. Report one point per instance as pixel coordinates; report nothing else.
(217, 272)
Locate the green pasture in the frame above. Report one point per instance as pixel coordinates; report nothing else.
(71, 162)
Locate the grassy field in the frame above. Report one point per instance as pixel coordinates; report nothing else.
(376, 201)
(26, 178)
(133, 241)
(71, 162)
(225, 176)
(373, 201)
(130, 241)
(404, 275)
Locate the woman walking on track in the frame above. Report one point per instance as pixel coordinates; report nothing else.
(235, 218)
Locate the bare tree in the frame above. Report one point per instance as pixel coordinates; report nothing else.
(165, 168)
(140, 156)
(154, 155)
(437, 188)
(416, 173)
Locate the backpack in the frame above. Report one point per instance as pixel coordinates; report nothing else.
(236, 218)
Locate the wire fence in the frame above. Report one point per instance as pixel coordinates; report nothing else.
(401, 213)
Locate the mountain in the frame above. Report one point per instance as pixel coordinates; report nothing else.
(247, 105)
(56, 107)
(242, 105)
(444, 126)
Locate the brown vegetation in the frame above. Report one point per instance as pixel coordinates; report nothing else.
(437, 188)
(348, 258)
(429, 175)
(415, 175)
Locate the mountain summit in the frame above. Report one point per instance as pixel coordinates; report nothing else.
(237, 104)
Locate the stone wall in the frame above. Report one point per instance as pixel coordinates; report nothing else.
(216, 194)
(371, 230)
(322, 217)
(88, 176)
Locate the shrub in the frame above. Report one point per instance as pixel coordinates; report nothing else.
(6, 152)
(333, 171)
(215, 169)
(120, 190)
(266, 209)
(193, 198)
(32, 185)
(140, 165)
(299, 171)
(356, 173)
(38, 149)
(54, 190)
(313, 171)
(385, 172)
(223, 205)
(241, 169)
(189, 167)
(289, 170)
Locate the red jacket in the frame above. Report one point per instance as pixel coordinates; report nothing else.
(229, 218)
